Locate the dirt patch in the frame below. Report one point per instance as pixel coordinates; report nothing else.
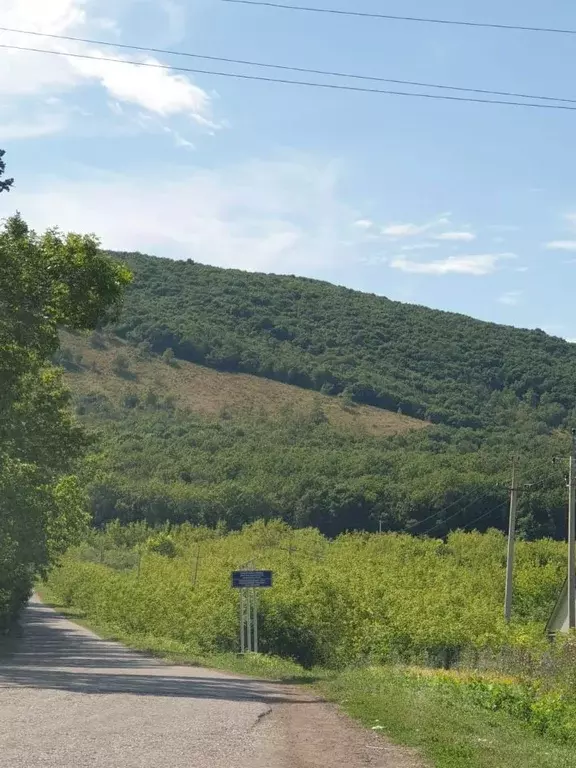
(310, 733)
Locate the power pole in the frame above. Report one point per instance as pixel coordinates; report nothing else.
(572, 536)
(511, 543)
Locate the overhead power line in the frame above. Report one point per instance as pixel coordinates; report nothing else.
(440, 521)
(458, 513)
(304, 83)
(418, 19)
(285, 67)
(437, 515)
(486, 514)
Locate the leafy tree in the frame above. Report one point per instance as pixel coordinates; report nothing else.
(46, 281)
(5, 184)
(145, 350)
(168, 356)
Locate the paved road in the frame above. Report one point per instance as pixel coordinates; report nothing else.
(69, 699)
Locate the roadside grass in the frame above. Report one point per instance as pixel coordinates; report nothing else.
(447, 730)
(254, 665)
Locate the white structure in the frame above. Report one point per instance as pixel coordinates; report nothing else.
(558, 621)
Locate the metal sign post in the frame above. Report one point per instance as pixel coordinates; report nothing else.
(248, 583)
(248, 620)
(242, 623)
(255, 600)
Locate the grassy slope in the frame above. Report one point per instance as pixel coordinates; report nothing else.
(448, 733)
(208, 391)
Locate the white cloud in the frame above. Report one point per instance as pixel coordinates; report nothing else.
(462, 237)
(403, 230)
(43, 125)
(156, 90)
(477, 265)
(179, 140)
(280, 216)
(28, 74)
(413, 230)
(561, 245)
(510, 298)
(364, 224)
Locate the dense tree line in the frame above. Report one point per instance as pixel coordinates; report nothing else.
(155, 463)
(443, 367)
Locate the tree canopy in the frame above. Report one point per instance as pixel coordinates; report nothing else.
(446, 368)
(486, 391)
(45, 281)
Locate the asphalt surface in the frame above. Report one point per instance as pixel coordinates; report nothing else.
(69, 699)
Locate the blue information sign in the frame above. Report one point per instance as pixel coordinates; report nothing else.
(246, 579)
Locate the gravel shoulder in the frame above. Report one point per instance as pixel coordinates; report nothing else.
(69, 699)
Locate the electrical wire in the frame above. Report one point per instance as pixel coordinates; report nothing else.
(443, 520)
(309, 84)
(418, 19)
(486, 514)
(284, 67)
(458, 512)
(445, 509)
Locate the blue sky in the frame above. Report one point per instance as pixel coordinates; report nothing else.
(470, 208)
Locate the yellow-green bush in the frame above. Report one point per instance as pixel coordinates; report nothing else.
(359, 598)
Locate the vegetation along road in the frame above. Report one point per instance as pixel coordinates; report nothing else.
(94, 703)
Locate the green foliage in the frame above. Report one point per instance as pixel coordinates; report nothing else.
(445, 725)
(5, 184)
(488, 391)
(360, 598)
(548, 712)
(161, 544)
(159, 464)
(168, 356)
(433, 365)
(45, 281)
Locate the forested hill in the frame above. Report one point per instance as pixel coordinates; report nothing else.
(177, 441)
(432, 365)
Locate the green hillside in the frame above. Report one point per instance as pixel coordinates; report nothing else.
(433, 365)
(196, 438)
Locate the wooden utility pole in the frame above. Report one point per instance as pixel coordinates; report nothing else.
(511, 543)
(572, 536)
